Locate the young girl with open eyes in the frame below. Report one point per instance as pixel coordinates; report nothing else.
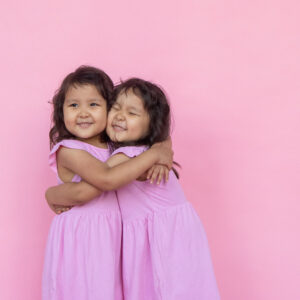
(165, 254)
(82, 259)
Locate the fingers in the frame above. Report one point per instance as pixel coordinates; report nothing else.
(155, 173)
(62, 209)
(161, 175)
(54, 209)
(149, 173)
(158, 173)
(166, 174)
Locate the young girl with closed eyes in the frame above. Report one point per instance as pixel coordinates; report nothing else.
(165, 254)
(82, 259)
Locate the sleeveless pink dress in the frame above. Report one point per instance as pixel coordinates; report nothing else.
(82, 259)
(165, 249)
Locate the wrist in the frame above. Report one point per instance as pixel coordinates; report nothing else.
(155, 154)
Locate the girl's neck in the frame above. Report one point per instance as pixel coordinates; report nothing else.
(94, 141)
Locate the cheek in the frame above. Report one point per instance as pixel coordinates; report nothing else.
(101, 116)
(69, 123)
(67, 119)
(109, 121)
(136, 128)
(69, 115)
(110, 117)
(145, 126)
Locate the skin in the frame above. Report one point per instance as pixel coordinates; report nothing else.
(127, 120)
(85, 113)
(82, 108)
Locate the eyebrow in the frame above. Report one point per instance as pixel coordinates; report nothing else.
(89, 100)
(96, 100)
(135, 108)
(71, 100)
(130, 107)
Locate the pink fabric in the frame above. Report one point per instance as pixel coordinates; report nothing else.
(82, 259)
(165, 250)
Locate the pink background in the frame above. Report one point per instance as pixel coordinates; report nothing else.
(231, 69)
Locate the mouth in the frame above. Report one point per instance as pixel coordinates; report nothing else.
(118, 127)
(84, 124)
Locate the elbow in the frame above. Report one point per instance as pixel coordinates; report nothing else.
(48, 195)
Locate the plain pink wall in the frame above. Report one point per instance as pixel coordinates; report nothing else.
(231, 70)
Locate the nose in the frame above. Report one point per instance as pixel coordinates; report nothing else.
(120, 116)
(83, 113)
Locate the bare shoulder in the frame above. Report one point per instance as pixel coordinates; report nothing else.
(62, 155)
(65, 156)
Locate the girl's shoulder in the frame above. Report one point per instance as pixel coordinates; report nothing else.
(76, 144)
(130, 151)
(73, 144)
(99, 153)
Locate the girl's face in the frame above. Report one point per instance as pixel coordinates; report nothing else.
(85, 112)
(127, 121)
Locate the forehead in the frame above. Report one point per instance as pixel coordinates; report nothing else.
(83, 91)
(129, 98)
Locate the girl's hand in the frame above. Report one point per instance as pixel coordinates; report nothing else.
(61, 209)
(58, 209)
(165, 153)
(158, 172)
(52, 207)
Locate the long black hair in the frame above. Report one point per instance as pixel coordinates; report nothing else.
(81, 76)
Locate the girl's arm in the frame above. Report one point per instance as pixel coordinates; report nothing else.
(71, 193)
(79, 193)
(105, 178)
(82, 192)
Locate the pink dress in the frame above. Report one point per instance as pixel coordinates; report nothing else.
(82, 259)
(165, 250)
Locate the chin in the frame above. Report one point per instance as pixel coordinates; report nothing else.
(113, 138)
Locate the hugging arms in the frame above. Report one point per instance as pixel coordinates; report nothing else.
(119, 170)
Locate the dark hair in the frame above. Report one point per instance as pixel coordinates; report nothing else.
(156, 104)
(81, 76)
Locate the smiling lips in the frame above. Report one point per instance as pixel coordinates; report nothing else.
(118, 127)
(84, 124)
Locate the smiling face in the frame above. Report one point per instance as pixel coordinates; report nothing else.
(128, 121)
(85, 113)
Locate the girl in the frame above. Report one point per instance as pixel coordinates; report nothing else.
(82, 258)
(164, 249)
